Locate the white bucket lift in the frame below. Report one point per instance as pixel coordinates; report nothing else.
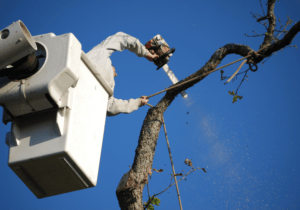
(57, 106)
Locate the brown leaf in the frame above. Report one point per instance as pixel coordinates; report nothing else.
(160, 170)
(204, 170)
(188, 162)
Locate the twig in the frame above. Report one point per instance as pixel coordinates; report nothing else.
(291, 46)
(171, 184)
(255, 35)
(151, 198)
(288, 22)
(191, 171)
(284, 31)
(255, 16)
(262, 18)
(262, 8)
(242, 81)
(235, 75)
(266, 60)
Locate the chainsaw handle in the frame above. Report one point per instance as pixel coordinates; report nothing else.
(163, 56)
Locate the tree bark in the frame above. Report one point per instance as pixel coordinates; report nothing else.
(130, 189)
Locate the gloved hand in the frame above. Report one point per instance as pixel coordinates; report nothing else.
(150, 56)
(144, 100)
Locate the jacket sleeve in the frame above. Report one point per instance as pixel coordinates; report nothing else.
(117, 106)
(121, 41)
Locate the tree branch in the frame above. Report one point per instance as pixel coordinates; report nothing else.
(212, 64)
(257, 17)
(282, 43)
(272, 23)
(130, 188)
(262, 18)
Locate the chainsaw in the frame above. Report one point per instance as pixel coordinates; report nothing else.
(157, 45)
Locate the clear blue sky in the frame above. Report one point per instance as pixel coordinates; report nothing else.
(250, 149)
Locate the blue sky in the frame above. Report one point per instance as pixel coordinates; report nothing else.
(250, 149)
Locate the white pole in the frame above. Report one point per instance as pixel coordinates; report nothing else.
(173, 78)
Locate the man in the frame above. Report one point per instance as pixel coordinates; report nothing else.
(99, 56)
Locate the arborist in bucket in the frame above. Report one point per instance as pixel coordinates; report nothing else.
(99, 56)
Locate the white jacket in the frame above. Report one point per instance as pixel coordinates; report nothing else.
(99, 56)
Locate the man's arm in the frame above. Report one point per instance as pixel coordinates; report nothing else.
(121, 41)
(117, 106)
(100, 54)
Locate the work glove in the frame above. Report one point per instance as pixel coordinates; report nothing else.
(144, 100)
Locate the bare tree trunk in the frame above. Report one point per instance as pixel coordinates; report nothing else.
(130, 189)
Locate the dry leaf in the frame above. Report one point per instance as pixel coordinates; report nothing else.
(188, 162)
(160, 170)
